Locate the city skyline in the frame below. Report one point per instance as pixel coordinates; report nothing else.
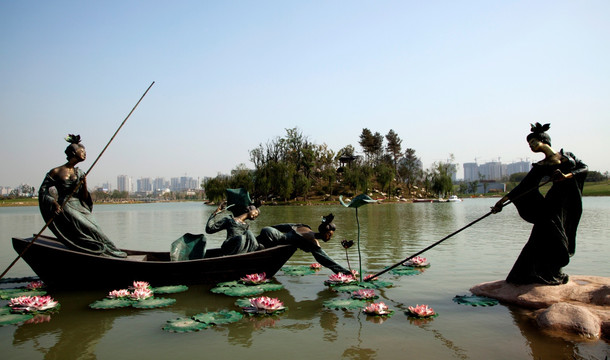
(464, 78)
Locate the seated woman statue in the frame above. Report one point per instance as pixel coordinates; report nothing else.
(73, 225)
(240, 208)
(305, 239)
(555, 216)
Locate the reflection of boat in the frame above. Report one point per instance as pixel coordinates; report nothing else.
(60, 267)
(454, 198)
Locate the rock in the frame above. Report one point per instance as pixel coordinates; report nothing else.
(582, 306)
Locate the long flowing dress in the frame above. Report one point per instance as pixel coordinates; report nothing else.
(289, 234)
(555, 217)
(239, 238)
(75, 225)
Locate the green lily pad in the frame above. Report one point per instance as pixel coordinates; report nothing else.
(218, 317)
(242, 303)
(6, 294)
(110, 304)
(183, 325)
(5, 310)
(271, 287)
(358, 201)
(152, 303)
(475, 300)
(238, 290)
(345, 304)
(406, 271)
(230, 284)
(377, 284)
(8, 319)
(298, 270)
(170, 289)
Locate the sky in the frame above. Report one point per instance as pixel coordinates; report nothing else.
(461, 78)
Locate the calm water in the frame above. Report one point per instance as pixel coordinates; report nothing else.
(389, 233)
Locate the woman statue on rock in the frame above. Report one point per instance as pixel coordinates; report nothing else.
(73, 225)
(555, 216)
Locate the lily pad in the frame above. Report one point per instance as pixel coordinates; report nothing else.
(110, 304)
(406, 271)
(242, 303)
(8, 319)
(475, 300)
(218, 317)
(170, 289)
(251, 310)
(271, 287)
(6, 294)
(152, 303)
(238, 290)
(229, 284)
(377, 284)
(298, 270)
(183, 325)
(345, 304)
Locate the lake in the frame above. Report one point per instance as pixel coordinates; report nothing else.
(389, 233)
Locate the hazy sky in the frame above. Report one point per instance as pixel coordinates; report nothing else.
(450, 77)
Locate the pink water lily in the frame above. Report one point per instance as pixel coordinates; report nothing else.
(265, 304)
(340, 278)
(422, 310)
(255, 278)
(141, 294)
(377, 309)
(32, 303)
(118, 294)
(370, 277)
(35, 285)
(315, 266)
(140, 285)
(417, 261)
(364, 294)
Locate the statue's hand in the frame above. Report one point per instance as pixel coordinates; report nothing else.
(559, 176)
(57, 207)
(497, 207)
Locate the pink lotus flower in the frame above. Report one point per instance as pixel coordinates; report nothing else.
(417, 261)
(422, 310)
(340, 278)
(315, 266)
(377, 309)
(255, 278)
(364, 294)
(34, 285)
(118, 294)
(141, 294)
(140, 285)
(370, 277)
(265, 304)
(32, 303)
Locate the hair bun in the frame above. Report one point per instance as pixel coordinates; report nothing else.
(539, 128)
(73, 139)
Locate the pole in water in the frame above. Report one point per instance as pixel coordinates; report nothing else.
(76, 187)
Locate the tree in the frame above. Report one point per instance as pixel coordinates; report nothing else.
(409, 169)
(394, 147)
(385, 175)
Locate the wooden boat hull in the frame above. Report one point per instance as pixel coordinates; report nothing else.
(62, 268)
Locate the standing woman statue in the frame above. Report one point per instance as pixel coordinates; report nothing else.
(555, 216)
(74, 225)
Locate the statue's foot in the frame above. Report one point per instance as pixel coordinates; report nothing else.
(117, 253)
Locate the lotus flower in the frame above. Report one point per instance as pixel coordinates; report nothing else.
(34, 285)
(377, 309)
(370, 277)
(140, 285)
(117, 294)
(265, 304)
(347, 243)
(255, 278)
(315, 266)
(364, 294)
(417, 261)
(421, 311)
(32, 303)
(340, 278)
(141, 294)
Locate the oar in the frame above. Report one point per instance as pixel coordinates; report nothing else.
(452, 234)
(82, 180)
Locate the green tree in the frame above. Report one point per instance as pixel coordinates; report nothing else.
(394, 147)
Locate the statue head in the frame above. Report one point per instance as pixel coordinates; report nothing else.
(327, 228)
(75, 145)
(538, 132)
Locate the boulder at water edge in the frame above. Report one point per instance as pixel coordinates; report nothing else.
(582, 306)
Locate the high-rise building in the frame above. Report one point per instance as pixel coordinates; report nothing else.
(123, 183)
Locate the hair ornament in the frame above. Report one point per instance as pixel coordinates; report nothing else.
(539, 128)
(73, 139)
(328, 219)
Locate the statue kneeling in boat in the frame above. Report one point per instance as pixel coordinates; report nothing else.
(304, 238)
(73, 224)
(231, 216)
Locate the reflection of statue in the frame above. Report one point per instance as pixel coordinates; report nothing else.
(74, 225)
(555, 216)
(239, 238)
(305, 239)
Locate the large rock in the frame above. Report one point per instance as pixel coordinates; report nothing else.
(582, 306)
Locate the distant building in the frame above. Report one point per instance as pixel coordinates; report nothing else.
(493, 170)
(123, 183)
